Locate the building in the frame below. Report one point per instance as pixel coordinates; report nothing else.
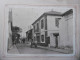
(66, 30)
(29, 34)
(14, 32)
(54, 29)
(10, 30)
(46, 29)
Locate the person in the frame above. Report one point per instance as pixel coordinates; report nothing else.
(35, 43)
(31, 42)
(23, 40)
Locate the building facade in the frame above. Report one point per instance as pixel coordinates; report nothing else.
(10, 30)
(46, 29)
(54, 29)
(66, 30)
(29, 35)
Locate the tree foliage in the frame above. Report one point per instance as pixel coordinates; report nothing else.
(16, 29)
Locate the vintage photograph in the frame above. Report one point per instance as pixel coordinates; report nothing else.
(40, 30)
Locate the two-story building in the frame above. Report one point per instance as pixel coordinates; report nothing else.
(54, 29)
(46, 29)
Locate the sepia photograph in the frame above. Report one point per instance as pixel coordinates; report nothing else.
(40, 30)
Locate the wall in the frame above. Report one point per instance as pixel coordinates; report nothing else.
(70, 30)
(66, 31)
(40, 30)
(63, 32)
(38, 2)
(51, 23)
(10, 36)
(51, 27)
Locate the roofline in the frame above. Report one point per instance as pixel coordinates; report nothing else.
(45, 14)
(38, 18)
(68, 12)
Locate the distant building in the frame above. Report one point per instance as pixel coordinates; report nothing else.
(46, 28)
(29, 34)
(10, 30)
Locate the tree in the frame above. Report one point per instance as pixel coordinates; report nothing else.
(16, 29)
(15, 34)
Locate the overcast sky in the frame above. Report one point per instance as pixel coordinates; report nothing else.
(24, 17)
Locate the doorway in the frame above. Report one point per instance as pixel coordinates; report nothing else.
(56, 35)
(38, 37)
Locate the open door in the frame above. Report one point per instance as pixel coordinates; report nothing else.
(56, 39)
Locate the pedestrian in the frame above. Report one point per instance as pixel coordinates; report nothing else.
(23, 40)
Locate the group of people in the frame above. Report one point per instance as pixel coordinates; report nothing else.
(22, 40)
(16, 39)
(33, 43)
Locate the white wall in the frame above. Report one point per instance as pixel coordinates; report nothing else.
(51, 23)
(36, 2)
(52, 28)
(70, 30)
(10, 37)
(63, 32)
(66, 31)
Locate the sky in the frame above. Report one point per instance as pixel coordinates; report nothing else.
(24, 17)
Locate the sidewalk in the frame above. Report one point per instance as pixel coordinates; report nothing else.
(64, 51)
(13, 50)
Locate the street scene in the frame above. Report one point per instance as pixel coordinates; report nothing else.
(40, 30)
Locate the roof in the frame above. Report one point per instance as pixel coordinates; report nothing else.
(67, 12)
(54, 13)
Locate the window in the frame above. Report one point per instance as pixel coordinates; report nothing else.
(37, 27)
(34, 28)
(34, 39)
(42, 38)
(45, 24)
(42, 24)
(38, 39)
(57, 22)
